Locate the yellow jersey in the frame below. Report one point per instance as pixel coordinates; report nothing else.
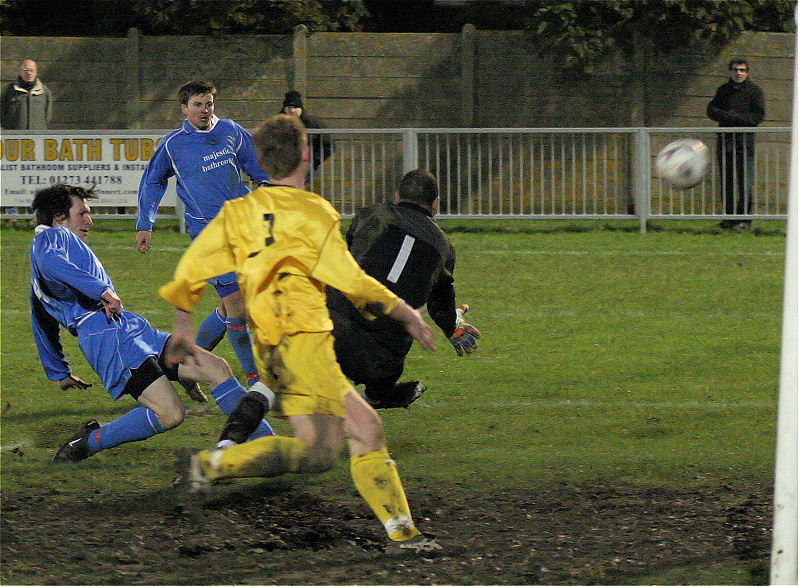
(285, 245)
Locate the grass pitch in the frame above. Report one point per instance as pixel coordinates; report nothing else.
(607, 356)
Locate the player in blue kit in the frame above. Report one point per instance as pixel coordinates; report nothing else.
(207, 156)
(70, 288)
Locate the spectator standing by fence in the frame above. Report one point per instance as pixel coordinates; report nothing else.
(738, 102)
(26, 104)
(321, 145)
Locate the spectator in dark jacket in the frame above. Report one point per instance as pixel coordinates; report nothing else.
(321, 145)
(738, 102)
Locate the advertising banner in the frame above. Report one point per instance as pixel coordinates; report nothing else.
(112, 161)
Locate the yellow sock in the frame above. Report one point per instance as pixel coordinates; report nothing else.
(376, 479)
(267, 456)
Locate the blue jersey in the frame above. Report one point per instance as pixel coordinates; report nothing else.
(67, 281)
(207, 166)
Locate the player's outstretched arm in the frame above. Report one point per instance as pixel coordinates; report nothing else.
(415, 325)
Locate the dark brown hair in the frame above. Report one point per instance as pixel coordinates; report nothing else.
(195, 88)
(56, 201)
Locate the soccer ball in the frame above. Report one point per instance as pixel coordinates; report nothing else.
(683, 163)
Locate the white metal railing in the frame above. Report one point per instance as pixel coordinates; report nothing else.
(566, 173)
(548, 173)
(769, 179)
(529, 172)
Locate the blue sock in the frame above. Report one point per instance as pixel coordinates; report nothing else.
(138, 424)
(242, 346)
(227, 394)
(211, 331)
(264, 429)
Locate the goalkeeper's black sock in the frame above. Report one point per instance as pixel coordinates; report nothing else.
(381, 391)
(245, 418)
(407, 392)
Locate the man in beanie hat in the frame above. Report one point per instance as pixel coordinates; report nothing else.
(321, 145)
(293, 99)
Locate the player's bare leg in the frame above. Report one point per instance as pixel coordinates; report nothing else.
(205, 367)
(160, 397)
(200, 365)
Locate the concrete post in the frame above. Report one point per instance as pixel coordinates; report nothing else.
(410, 152)
(468, 75)
(637, 90)
(300, 54)
(641, 176)
(132, 79)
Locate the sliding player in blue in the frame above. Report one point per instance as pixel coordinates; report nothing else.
(207, 156)
(70, 288)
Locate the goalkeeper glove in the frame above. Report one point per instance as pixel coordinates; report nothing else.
(463, 339)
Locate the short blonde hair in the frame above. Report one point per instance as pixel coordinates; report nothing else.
(279, 144)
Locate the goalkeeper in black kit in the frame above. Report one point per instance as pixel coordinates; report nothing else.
(399, 244)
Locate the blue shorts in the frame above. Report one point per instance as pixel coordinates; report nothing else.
(114, 347)
(225, 284)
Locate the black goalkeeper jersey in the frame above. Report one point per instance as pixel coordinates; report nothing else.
(401, 246)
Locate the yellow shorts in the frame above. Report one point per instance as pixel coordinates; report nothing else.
(303, 372)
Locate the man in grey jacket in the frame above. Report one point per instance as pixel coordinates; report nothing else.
(26, 102)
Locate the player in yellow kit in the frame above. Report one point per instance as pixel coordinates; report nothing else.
(285, 245)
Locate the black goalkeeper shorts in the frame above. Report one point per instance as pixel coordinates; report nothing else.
(361, 355)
